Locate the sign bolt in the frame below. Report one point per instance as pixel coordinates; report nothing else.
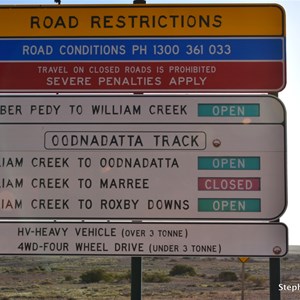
(217, 143)
(277, 250)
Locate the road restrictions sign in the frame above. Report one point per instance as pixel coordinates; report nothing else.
(144, 239)
(139, 157)
(142, 48)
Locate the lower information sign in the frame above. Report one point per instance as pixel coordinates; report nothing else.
(144, 239)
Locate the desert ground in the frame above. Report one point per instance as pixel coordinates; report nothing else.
(67, 277)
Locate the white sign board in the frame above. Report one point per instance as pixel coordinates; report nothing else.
(144, 239)
(135, 157)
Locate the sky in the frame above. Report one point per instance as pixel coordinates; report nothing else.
(289, 96)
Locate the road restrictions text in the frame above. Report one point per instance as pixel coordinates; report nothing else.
(72, 51)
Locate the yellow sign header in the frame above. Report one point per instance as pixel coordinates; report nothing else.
(142, 20)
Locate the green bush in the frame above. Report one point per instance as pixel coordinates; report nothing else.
(69, 278)
(94, 276)
(228, 276)
(258, 281)
(118, 277)
(182, 270)
(155, 277)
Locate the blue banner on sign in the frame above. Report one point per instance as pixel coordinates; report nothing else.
(153, 49)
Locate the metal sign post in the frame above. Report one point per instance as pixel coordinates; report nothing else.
(274, 268)
(275, 278)
(136, 262)
(243, 260)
